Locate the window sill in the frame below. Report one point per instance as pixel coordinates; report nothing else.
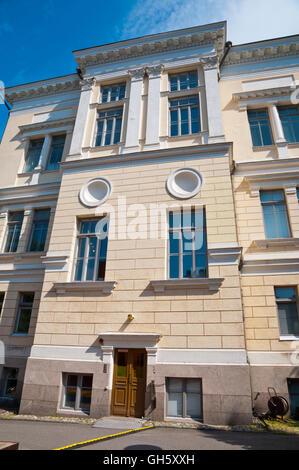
(203, 283)
(102, 286)
(289, 338)
(103, 147)
(74, 413)
(276, 242)
(21, 255)
(176, 138)
(263, 148)
(20, 335)
(42, 171)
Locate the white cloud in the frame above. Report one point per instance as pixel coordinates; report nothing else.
(248, 20)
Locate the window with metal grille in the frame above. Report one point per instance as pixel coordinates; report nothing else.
(260, 128)
(39, 230)
(10, 381)
(13, 231)
(24, 313)
(187, 244)
(275, 214)
(184, 116)
(110, 93)
(56, 152)
(90, 263)
(109, 124)
(287, 308)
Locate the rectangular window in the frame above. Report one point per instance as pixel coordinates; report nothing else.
(260, 128)
(184, 116)
(39, 230)
(90, 263)
(2, 295)
(109, 127)
(287, 308)
(14, 225)
(56, 152)
(187, 244)
(184, 398)
(290, 123)
(183, 81)
(24, 313)
(275, 214)
(77, 392)
(110, 93)
(10, 380)
(33, 154)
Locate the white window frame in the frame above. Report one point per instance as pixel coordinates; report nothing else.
(78, 391)
(104, 119)
(20, 306)
(178, 80)
(179, 108)
(110, 86)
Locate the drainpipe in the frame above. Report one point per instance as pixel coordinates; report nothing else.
(228, 46)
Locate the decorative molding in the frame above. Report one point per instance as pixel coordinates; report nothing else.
(30, 193)
(155, 44)
(261, 358)
(65, 123)
(220, 149)
(210, 284)
(55, 262)
(106, 287)
(66, 353)
(154, 71)
(42, 88)
(224, 256)
(246, 98)
(137, 74)
(262, 53)
(210, 62)
(270, 267)
(129, 340)
(87, 83)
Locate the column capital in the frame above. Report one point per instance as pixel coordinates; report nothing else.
(155, 71)
(137, 74)
(209, 62)
(87, 83)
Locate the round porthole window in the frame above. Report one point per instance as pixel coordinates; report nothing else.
(95, 192)
(184, 183)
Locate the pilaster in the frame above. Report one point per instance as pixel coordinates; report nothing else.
(134, 115)
(152, 139)
(215, 125)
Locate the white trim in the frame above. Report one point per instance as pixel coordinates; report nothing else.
(202, 356)
(66, 353)
(260, 358)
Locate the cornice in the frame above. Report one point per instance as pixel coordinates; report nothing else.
(42, 88)
(204, 151)
(266, 93)
(29, 193)
(262, 53)
(151, 45)
(263, 168)
(47, 124)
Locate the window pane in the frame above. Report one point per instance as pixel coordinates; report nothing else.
(90, 270)
(187, 266)
(56, 152)
(174, 267)
(33, 155)
(255, 134)
(70, 397)
(79, 270)
(173, 82)
(174, 242)
(266, 133)
(27, 298)
(122, 363)
(175, 397)
(85, 399)
(288, 318)
(99, 133)
(174, 219)
(24, 320)
(187, 240)
(201, 265)
(285, 292)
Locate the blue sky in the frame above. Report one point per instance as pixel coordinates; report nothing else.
(37, 37)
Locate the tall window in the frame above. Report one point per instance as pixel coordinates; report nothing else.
(260, 128)
(184, 116)
(77, 392)
(290, 123)
(184, 398)
(10, 381)
(109, 127)
(110, 93)
(39, 230)
(14, 225)
(33, 154)
(287, 307)
(1, 301)
(90, 263)
(183, 81)
(24, 313)
(275, 214)
(56, 152)
(187, 244)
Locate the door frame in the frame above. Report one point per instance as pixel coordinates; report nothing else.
(129, 390)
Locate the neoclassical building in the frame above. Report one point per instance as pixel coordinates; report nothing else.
(149, 231)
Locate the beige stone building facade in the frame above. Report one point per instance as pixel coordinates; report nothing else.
(149, 231)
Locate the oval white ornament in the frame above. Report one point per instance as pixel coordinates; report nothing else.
(184, 183)
(95, 192)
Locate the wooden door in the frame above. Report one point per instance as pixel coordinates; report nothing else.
(129, 381)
